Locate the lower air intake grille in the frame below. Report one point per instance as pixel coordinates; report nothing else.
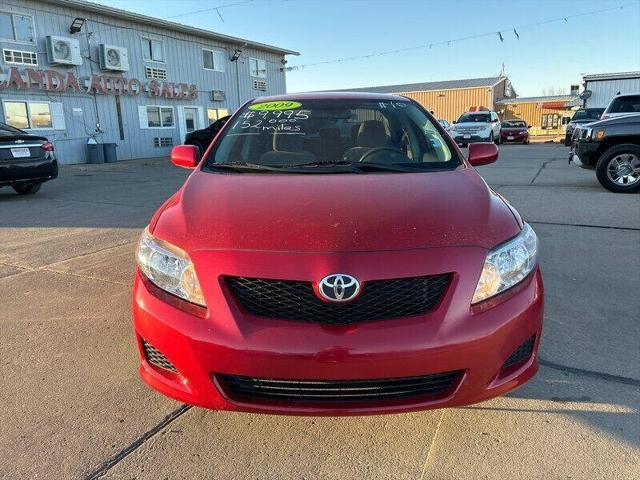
(380, 299)
(520, 354)
(155, 357)
(328, 391)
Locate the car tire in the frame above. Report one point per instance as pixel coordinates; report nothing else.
(27, 189)
(613, 165)
(491, 139)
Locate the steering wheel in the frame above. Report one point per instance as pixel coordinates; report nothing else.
(376, 150)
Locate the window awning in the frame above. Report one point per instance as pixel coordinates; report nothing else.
(557, 105)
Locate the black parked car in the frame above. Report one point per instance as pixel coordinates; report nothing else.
(612, 148)
(581, 117)
(202, 138)
(26, 161)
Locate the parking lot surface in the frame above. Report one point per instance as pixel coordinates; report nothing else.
(73, 406)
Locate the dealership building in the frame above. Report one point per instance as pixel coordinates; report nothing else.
(76, 72)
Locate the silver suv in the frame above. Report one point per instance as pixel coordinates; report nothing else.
(476, 127)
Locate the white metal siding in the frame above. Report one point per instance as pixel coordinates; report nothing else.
(604, 90)
(183, 62)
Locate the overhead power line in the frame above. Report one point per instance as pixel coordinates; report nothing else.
(220, 7)
(513, 29)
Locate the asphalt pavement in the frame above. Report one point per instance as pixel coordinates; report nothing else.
(73, 406)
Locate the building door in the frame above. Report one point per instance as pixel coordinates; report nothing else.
(191, 119)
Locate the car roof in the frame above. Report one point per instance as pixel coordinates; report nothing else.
(330, 96)
(627, 94)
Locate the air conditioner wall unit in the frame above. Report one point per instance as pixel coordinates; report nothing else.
(114, 58)
(63, 51)
(218, 96)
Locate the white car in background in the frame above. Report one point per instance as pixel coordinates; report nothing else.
(622, 104)
(476, 127)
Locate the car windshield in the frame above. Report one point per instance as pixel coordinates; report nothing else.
(588, 114)
(475, 117)
(512, 124)
(628, 104)
(317, 135)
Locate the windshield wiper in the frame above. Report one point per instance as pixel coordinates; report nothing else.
(360, 166)
(355, 167)
(243, 167)
(369, 166)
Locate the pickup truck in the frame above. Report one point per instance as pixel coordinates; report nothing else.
(612, 148)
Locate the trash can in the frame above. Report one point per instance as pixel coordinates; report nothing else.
(95, 153)
(110, 154)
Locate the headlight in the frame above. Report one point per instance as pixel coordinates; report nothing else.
(169, 268)
(507, 265)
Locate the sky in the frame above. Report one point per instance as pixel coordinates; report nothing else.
(545, 59)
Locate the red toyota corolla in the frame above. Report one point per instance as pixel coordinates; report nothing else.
(514, 131)
(336, 254)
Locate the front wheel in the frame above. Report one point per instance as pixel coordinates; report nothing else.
(27, 189)
(491, 139)
(618, 168)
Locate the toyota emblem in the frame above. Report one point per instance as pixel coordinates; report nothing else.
(339, 287)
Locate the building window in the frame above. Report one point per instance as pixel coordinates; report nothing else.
(28, 115)
(19, 57)
(212, 60)
(157, 73)
(16, 27)
(550, 121)
(163, 141)
(152, 50)
(258, 67)
(214, 114)
(160, 117)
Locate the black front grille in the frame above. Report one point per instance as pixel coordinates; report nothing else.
(520, 354)
(379, 300)
(155, 357)
(328, 391)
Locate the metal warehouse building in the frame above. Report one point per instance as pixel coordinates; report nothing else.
(602, 87)
(450, 98)
(73, 70)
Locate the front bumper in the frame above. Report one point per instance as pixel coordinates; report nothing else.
(517, 138)
(30, 170)
(452, 337)
(584, 154)
(460, 139)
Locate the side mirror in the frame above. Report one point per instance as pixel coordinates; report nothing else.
(455, 121)
(528, 126)
(185, 156)
(482, 153)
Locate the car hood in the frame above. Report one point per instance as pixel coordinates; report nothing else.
(513, 130)
(582, 121)
(335, 212)
(626, 118)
